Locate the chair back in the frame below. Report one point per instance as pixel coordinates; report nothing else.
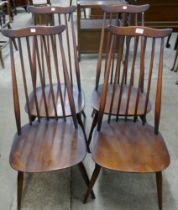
(143, 55)
(59, 15)
(39, 68)
(119, 15)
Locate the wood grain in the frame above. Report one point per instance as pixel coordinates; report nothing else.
(78, 100)
(129, 147)
(47, 146)
(96, 95)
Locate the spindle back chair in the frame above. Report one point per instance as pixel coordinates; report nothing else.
(59, 16)
(127, 144)
(44, 144)
(119, 15)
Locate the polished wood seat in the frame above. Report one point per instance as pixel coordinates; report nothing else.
(78, 101)
(48, 146)
(129, 147)
(96, 95)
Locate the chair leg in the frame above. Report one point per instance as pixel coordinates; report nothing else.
(1, 59)
(32, 118)
(159, 188)
(70, 2)
(176, 44)
(85, 15)
(19, 189)
(176, 70)
(93, 113)
(83, 129)
(92, 127)
(168, 39)
(175, 59)
(92, 182)
(85, 177)
(84, 115)
(143, 119)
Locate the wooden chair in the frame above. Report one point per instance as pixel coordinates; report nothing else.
(59, 16)
(46, 144)
(124, 144)
(121, 15)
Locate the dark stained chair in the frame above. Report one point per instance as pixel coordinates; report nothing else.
(123, 144)
(57, 16)
(120, 15)
(45, 144)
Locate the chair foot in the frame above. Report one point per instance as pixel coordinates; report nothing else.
(20, 178)
(92, 182)
(85, 177)
(159, 188)
(32, 118)
(143, 119)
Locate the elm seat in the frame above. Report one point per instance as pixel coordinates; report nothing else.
(79, 101)
(129, 147)
(51, 145)
(96, 95)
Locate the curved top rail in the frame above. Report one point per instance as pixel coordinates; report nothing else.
(125, 8)
(51, 9)
(33, 30)
(140, 31)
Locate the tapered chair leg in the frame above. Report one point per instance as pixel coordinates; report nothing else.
(20, 178)
(174, 64)
(85, 177)
(83, 129)
(168, 39)
(85, 15)
(92, 127)
(83, 113)
(92, 182)
(70, 2)
(1, 59)
(93, 113)
(159, 188)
